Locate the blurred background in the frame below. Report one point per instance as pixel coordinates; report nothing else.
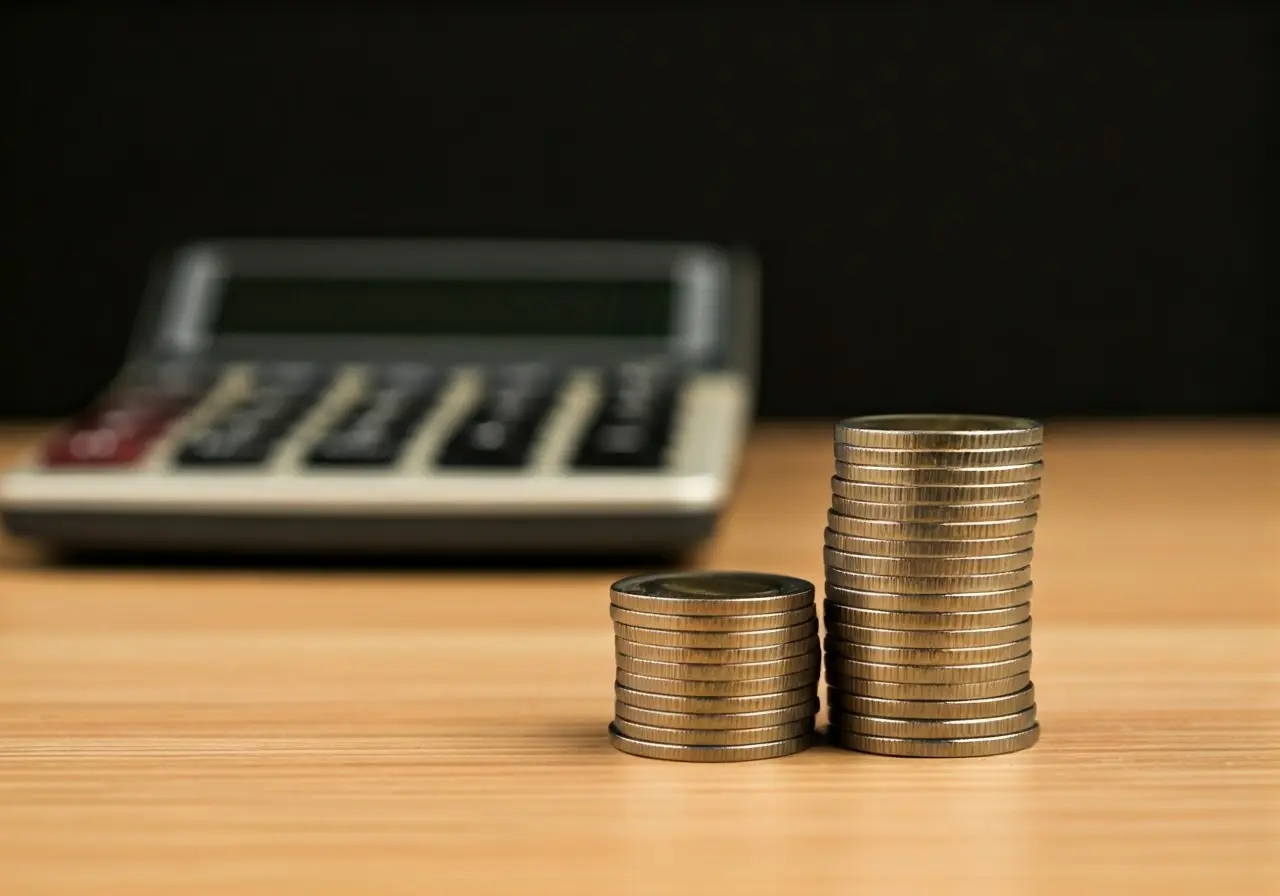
(1052, 209)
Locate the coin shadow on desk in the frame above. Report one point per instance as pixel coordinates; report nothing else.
(569, 739)
(576, 739)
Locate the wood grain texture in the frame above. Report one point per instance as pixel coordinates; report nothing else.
(272, 731)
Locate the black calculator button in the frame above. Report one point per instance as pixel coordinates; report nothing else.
(623, 439)
(358, 448)
(241, 444)
(247, 432)
(632, 427)
(274, 417)
(634, 445)
(373, 432)
(500, 432)
(489, 442)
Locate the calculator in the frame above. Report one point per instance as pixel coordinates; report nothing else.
(412, 396)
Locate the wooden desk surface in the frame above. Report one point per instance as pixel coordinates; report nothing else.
(421, 732)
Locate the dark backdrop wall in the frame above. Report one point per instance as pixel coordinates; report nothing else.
(1044, 208)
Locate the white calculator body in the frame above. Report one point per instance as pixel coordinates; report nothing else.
(413, 396)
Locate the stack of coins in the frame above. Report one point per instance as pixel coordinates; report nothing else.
(714, 666)
(928, 584)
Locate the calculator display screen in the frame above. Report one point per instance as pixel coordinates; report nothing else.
(332, 306)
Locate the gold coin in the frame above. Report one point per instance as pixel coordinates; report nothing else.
(719, 671)
(934, 494)
(748, 687)
(715, 655)
(976, 708)
(837, 614)
(683, 753)
(952, 748)
(936, 513)
(890, 547)
(926, 656)
(899, 690)
(925, 566)
(908, 530)
(677, 623)
(915, 639)
(938, 432)
(976, 583)
(952, 602)
(955, 458)
(935, 477)
(856, 723)
(959, 673)
(716, 640)
(717, 721)
(712, 737)
(711, 593)
(745, 703)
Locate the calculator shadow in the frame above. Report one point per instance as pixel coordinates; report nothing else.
(478, 562)
(302, 542)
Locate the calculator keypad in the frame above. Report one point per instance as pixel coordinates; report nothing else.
(629, 427)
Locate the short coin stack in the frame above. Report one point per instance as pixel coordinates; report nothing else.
(714, 666)
(928, 583)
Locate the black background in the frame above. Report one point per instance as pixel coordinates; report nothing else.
(1047, 209)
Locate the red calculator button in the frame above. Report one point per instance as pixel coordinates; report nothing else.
(116, 435)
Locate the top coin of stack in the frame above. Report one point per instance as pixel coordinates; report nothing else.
(927, 554)
(714, 666)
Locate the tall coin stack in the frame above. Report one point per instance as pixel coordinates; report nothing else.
(714, 666)
(928, 584)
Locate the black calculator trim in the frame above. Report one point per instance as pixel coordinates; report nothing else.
(586, 533)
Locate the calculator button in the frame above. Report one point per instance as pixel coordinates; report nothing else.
(242, 443)
(357, 448)
(115, 434)
(374, 431)
(500, 432)
(247, 432)
(272, 412)
(632, 426)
